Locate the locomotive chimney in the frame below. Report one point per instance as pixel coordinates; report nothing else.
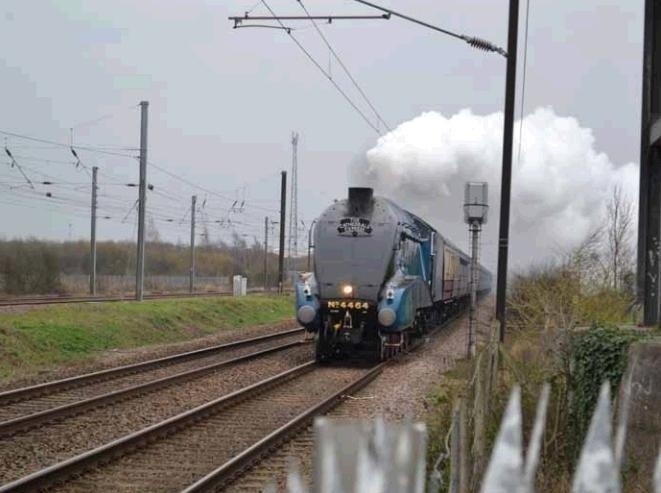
(360, 199)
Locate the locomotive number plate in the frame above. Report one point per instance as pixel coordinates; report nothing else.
(353, 305)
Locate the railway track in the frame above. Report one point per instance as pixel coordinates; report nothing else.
(25, 407)
(52, 300)
(205, 447)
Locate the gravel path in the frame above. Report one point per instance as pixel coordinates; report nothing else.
(399, 392)
(51, 443)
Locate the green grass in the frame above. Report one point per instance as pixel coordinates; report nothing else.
(41, 338)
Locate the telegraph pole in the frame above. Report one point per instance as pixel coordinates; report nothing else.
(191, 272)
(506, 181)
(140, 263)
(266, 252)
(281, 253)
(95, 170)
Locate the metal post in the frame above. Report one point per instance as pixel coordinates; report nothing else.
(95, 170)
(281, 253)
(475, 232)
(506, 181)
(649, 212)
(292, 241)
(310, 246)
(266, 253)
(191, 272)
(140, 262)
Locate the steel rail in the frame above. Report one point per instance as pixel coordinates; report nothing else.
(103, 299)
(227, 472)
(33, 420)
(24, 393)
(63, 470)
(235, 466)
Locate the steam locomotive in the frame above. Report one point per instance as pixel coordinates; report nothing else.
(382, 277)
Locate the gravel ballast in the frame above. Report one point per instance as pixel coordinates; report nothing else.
(400, 392)
(54, 442)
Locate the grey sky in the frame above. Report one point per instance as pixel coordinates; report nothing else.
(223, 102)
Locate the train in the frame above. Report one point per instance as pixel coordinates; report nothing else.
(382, 278)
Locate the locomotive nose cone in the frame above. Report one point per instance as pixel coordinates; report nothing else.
(387, 317)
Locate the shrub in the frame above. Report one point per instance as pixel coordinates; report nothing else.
(31, 268)
(597, 355)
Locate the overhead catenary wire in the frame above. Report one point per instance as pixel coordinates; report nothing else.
(523, 82)
(323, 71)
(346, 70)
(94, 121)
(103, 151)
(61, 144)
(60, 193)
(200, 187)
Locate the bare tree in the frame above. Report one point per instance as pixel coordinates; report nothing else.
(586, 259)
(619, 251)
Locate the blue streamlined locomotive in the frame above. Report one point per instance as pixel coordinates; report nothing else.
(381, 277)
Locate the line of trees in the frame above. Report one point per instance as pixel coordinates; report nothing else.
(595, 281)
(34, 266)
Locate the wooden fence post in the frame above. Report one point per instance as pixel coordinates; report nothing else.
(464, 474)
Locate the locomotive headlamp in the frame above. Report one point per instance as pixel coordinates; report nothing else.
(347, 290)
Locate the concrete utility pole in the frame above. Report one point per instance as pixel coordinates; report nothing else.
(506, 181)
(266, 253)
(292, 245)
(95, 170)
(140, 262)
(281, 253)
(191, 270)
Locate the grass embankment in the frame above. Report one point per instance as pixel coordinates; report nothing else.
(47, 336)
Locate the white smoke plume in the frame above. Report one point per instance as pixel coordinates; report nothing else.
(560, 185)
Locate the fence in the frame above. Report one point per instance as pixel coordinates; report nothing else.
(76, 284)
(373, 457)
(79, 283)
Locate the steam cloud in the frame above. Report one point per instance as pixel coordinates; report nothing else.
(560, 186)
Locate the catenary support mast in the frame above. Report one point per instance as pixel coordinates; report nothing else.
(95, 170)
(191, 271)
(142, 203)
